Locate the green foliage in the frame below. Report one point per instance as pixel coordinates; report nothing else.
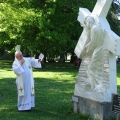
(113, 20)
(49, 26)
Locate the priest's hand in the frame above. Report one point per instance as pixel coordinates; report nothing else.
(22, 61)
(39, 60)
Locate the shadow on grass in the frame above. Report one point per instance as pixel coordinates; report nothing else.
(5, 64)
(53, 67)
(57, 67)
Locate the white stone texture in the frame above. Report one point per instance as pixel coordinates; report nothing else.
(98, 46)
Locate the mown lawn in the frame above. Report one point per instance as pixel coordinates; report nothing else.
(54, 87)
(118, 78)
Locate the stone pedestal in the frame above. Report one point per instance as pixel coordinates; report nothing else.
(97, 110)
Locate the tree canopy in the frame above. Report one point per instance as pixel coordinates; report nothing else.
(48, 26)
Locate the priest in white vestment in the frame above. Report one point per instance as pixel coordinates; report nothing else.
(22, 67)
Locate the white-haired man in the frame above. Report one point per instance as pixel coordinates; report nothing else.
(22, 67)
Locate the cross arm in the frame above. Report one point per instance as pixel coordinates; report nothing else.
(112, 42)
(83, 13)
(118, 47)
(101, 8)
(81, 43)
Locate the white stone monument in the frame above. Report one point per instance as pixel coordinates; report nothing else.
(98, 47)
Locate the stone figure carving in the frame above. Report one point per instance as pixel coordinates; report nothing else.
(98, 46)
(94, 50)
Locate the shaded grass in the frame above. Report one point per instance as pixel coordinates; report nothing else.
(54, 86)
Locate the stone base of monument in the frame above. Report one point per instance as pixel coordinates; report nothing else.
(96, 110)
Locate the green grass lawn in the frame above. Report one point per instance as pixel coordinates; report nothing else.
(54, 87)
(118, 78)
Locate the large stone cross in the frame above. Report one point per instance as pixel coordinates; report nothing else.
(112, 41)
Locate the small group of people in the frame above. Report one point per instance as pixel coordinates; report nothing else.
(22, 67)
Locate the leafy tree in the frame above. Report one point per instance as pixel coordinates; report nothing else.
(49, 26)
